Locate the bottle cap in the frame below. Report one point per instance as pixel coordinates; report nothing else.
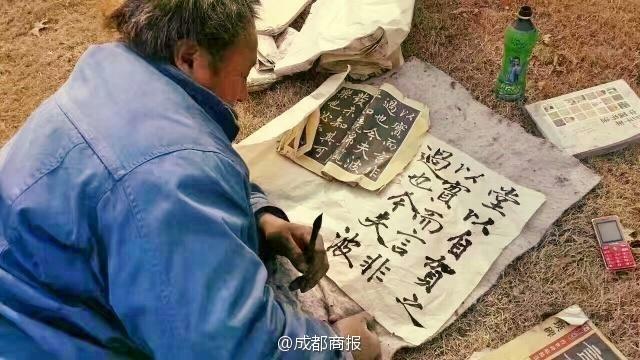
(525, 13)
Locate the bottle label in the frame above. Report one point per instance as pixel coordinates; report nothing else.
(518, 48)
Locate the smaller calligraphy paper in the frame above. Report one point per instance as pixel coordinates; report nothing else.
(362, 135)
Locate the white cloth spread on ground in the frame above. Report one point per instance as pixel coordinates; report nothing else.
(411, 254)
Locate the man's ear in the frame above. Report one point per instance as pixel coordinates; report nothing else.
(185, 56)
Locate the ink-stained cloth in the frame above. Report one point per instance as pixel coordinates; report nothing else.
(127, 225)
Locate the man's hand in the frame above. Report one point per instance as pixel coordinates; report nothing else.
(361, 325)
(291, 241)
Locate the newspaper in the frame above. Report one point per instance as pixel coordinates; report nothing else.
(362, 135)
(568, 335)
(590, 122)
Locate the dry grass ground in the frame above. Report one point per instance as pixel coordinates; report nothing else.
(590, 42)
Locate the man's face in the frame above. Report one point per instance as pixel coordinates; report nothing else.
(227, 79)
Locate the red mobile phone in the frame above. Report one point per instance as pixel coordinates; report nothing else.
(616, 252)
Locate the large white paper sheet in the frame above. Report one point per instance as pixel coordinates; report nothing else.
(428, 203)
(303, 195)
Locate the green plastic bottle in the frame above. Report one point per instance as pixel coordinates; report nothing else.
(519, 40)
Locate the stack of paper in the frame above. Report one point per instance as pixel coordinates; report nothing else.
(366, 56)
(590, 122)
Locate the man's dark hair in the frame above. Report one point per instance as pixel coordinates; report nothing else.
(154, 27)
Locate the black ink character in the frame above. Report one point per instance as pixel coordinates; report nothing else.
(437, 269)
(379, 272)
(559, 324)
(472, 178)
(439, 159)
(460, 168)
(419, 181)
(400, 201)
(485, 225)
(413, 303)
(402, 248)
(343, 247)
(502, 197)
(460, 244)
(550, 331)
(413, 235)
(451, 190)
(428, 218)
(377, 222)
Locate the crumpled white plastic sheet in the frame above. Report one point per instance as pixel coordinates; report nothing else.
(274, 16)
(365, 34)
(270, 51)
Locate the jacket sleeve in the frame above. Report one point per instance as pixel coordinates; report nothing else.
(260, 204)
(181, 279)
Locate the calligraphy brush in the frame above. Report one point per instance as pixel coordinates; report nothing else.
(309, 252)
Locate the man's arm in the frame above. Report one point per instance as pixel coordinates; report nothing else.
(180, 277)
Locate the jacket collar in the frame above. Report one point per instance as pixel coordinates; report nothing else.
(220, 112)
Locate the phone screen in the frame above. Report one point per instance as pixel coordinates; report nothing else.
(609, 231)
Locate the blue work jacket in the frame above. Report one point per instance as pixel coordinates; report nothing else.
(127, 225)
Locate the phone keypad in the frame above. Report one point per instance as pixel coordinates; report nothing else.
(618, 256)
